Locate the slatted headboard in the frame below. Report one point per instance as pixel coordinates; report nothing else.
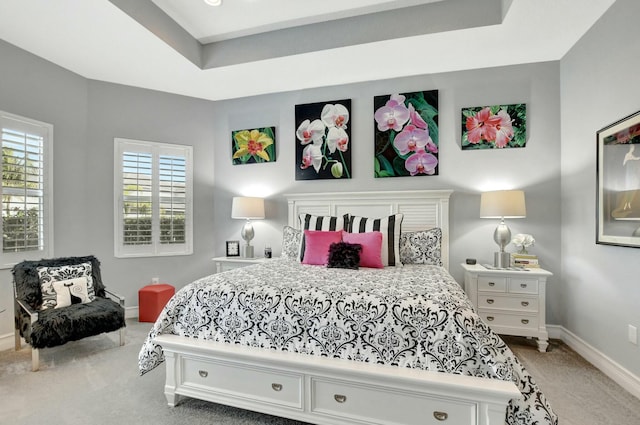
(422, 209)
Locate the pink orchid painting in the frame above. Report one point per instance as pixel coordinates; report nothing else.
(406, 134)
(494, 127)
(323, 136)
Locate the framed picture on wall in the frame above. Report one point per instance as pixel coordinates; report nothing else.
(618, 183)
(406, 134)
(253, 146)
(323, 140)
(494, 127)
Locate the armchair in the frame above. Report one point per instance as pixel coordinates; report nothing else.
(52, 323)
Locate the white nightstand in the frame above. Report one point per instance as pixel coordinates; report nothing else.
(512, 302)
(228, 263)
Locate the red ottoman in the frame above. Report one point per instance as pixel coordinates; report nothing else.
(152, 299)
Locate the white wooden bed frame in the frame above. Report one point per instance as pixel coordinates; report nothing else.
(328, 391)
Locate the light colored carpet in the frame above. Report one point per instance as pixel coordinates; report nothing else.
(96, 381)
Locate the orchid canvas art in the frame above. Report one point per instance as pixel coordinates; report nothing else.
(323, 140)
(406, 134)
(494, 127)
(253, 145)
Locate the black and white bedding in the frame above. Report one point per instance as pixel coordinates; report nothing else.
(414, 316)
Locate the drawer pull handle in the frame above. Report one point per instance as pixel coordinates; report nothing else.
(276, 387)
(441, 416)
(490, 318)
(203, 373)
(489, 301)
(492, 284)
(525, 321)
(523, 285)
(524, 303)
(340, 398)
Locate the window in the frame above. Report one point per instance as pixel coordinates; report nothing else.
(153, 199)
(27, 229)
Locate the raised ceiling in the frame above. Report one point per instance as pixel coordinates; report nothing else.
(252, 47)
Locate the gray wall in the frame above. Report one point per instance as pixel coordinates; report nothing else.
(601, 284)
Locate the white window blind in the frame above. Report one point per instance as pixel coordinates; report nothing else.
(153, 199)
(26, 189)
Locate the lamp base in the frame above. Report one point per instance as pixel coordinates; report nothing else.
(247, 251)
(501, 259)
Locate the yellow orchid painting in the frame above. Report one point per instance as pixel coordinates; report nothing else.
(253, 146)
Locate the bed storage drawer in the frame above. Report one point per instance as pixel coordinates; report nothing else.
(276, 387)
(372, 404)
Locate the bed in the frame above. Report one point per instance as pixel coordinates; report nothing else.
(400, 344)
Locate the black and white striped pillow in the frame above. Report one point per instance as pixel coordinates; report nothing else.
(318, 222)
(390, 229)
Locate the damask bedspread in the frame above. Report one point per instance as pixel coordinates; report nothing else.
(414, 316)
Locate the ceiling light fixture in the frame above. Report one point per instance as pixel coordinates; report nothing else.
(213, 2)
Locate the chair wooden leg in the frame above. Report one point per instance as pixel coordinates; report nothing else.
(18, 341)
(122, 335)
(35, 359)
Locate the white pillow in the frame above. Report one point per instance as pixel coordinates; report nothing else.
(71, 291)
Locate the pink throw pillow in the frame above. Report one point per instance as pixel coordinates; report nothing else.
(317, 243)
(371, 255)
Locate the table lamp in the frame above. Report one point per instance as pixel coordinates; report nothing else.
(502, 204)
(249, 209)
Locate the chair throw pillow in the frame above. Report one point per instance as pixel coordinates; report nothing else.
(71, 291)
(49, 275)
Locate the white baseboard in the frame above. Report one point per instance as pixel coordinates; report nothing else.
(605, 364)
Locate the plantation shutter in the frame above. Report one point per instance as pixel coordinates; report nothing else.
(154, 199)
(26, 203)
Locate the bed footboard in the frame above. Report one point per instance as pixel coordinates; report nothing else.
(327, 391)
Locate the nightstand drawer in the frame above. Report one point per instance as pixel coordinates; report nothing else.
(523, 286)
(492, 283)
(509, 320)
(508, 303)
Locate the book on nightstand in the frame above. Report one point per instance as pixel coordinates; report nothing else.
(528, 261)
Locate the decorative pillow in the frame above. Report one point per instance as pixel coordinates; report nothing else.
(371, 242)
(291, 239)
(48, 275)
(422, 247)
(390, 229)
(317, 246)
(344, 255)
(316, 222)
(71, 291)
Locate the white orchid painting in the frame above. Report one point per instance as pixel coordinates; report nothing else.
(323, 140)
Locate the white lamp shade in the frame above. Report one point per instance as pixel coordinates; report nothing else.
(503, 204)
(247, 208)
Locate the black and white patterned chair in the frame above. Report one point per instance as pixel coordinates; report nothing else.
(60, 300)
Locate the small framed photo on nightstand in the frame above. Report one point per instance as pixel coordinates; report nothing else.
(233, 248)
